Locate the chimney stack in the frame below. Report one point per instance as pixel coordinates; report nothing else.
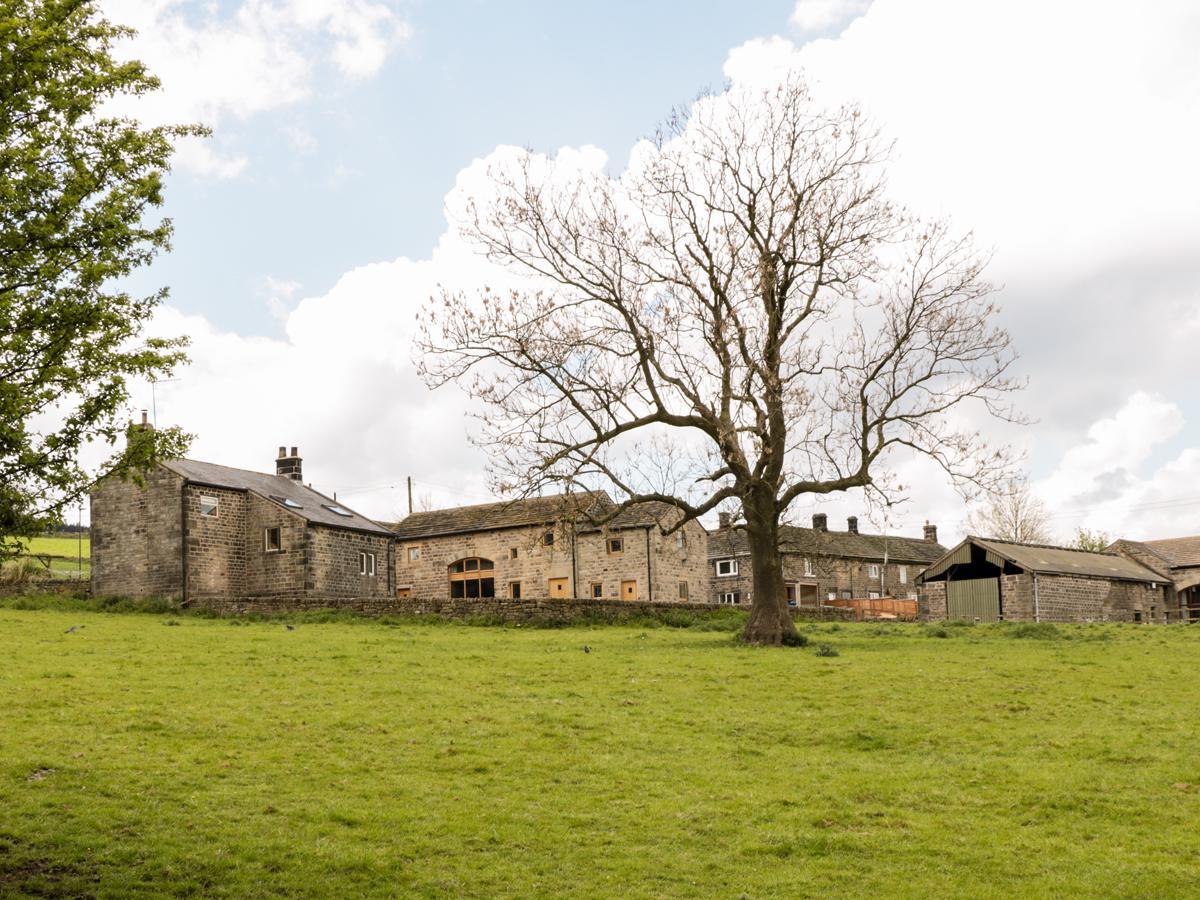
(820, 522)
(138, 428)
(288, 465)
(852, 524)
(724, 520)
(931, 533)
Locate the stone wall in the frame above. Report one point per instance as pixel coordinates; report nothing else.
(1016, 597)
(137, 537)
(1172, 600)
(216, 546)
(845, 578)
(1069, 598)
(519, 555)
(931, 603)
(334, 568)
(275, 573)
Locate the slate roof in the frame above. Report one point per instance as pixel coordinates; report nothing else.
(313, 505)
(733, 542)
(1179, 552)
(499, 515)
(1045, 559)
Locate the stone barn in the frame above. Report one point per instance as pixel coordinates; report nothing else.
(989, 580)
(216, 537)
(1177, 560)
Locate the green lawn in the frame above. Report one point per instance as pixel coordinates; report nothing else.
(144, 755)
(68, 547)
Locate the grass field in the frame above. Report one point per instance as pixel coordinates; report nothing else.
(68, 547)
(145, 755)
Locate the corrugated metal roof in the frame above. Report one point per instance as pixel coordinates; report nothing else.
(733, 542)
(311, 505)
(1048, 560)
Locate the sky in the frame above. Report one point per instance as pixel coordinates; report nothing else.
(311, 226)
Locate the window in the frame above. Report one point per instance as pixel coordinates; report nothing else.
(366, 564)
(727, 567)
(730, 598)
(548, 539)
(846, 595)
(832, 595)
(808, 568)
(512, 553)
(615, 546)
(1137, 615)
(873, 572)
(286, 501)
(912, 595)
(902, 571)
(683, 590)
(873, 595)
(789, 590)
(338, 510)
(680, 541)
(414, 554)
(472, 578)
(208, 506)
(597, 590)
(404, 591)
(272, 541)
(514, 590)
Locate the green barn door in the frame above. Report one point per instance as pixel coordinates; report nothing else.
(975, 599)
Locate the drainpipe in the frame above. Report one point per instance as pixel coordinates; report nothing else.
(649, 579)
(574, 568)
(1037, 611)
(183, 537)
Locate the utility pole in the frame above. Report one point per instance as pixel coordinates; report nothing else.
(409, 479)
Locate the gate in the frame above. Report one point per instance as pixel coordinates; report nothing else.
(978, 598)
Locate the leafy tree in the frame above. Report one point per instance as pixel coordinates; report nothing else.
(77, 183)
(1095, 541)
(739, 320)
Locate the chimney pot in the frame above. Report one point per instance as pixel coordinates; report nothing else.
(931, 533)
(289, 466)
(820, 522)
(145, 421)
(852, 524)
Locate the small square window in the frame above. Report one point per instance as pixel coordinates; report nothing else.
(730, 598)
(808, 568)
(832, 595)
(902, 571)
(208, 506)
(683, 590)
(727, 567)
(514, 590)
(272, 540)
(597, 590)
(873, 595)
(680, 541)
(548, 538)
(414, 554)
(615, 545)
(512, 553)
(873, 572)
(366, 564)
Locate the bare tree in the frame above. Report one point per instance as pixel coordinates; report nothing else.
(1013, 513)
(740, 319)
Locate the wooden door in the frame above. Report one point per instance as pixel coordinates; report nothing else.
(629, 590)
(976, 599)
(559, 588)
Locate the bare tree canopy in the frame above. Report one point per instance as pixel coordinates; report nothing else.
(740, 319)
(1014, 513)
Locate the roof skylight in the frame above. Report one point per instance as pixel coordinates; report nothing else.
(339, 510)
(286, 501)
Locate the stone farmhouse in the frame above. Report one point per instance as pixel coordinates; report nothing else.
(820, 565)
(555, 547)
(1177, 562)
(229, 539)
(988, 580)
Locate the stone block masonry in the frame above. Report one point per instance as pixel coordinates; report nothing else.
(137, 537)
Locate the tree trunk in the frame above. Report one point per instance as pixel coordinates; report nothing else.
(770, 624)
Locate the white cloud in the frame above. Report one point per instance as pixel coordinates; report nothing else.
(260, 56)
(822, 15)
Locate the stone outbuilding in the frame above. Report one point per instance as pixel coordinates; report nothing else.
(558, 547)
(217, 537)
(1177, 560)
(820, 566)
(988, 580)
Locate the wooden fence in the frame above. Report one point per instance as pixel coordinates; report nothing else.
(882, 608)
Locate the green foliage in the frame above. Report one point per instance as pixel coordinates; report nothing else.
(795, 639)
(1038, 631)
(77, 184)
(21, 570)
(827, 650)
(401, 759)
(1095, 541)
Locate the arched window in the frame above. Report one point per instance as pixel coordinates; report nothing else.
(472, 578)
